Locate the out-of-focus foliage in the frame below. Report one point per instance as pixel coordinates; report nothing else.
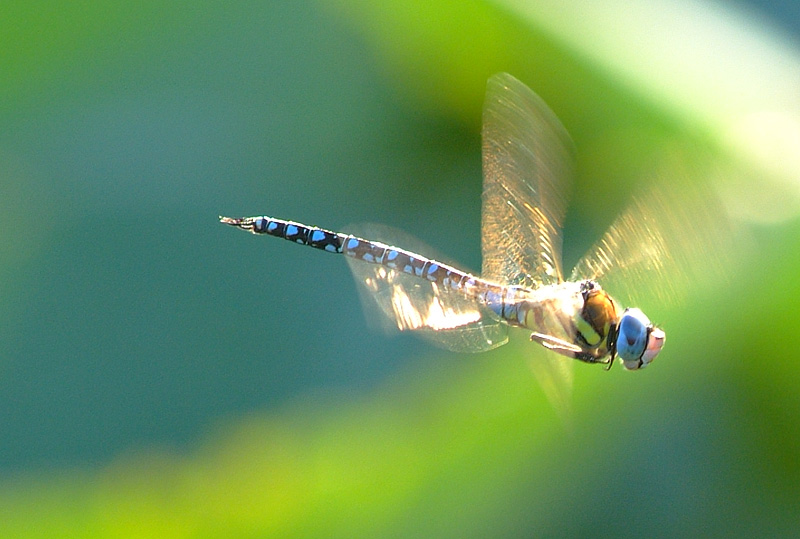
(161, 376)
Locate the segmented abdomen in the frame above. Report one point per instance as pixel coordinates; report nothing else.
(375, 252)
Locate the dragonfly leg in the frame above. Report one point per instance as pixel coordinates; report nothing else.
(568, 349)
(557, 345)
(610, 360)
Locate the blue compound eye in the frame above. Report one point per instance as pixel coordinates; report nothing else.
(638, 341)
(632, 335)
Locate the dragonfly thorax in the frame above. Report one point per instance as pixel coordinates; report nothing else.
(575, 319)
(597, 318)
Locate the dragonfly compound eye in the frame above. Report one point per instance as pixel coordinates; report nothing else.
(632, 337)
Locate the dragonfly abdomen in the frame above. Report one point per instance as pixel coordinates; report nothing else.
(503, 300)
(550, 310)
(374, 252)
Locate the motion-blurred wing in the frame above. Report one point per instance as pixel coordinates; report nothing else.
(664, 243)
(397, 300)
(527, 166)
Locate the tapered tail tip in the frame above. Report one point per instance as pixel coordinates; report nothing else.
(230, 221)
(245, 223)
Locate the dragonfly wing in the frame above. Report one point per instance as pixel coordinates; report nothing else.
(555, 375)
(664, 243)
(528, 161)
(527, 165)
(399, 301)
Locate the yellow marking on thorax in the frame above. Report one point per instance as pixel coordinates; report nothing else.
(595, 320)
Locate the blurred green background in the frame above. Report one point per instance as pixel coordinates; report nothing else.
(164, 376)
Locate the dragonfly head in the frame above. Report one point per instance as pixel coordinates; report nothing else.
(638, 341)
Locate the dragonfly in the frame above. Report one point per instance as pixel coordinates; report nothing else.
(528, 161)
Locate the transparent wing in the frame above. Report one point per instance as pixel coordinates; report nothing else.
(666, 242)
(527, 166)
(528, 160)
(395, 300)
(555, 375)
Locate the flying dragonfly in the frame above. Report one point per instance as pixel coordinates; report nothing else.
(527, 164)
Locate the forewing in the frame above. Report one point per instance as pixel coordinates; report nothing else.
(396, 300)
(527, 167)
(667, 241)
